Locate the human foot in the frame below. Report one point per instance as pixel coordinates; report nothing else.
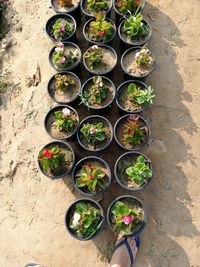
(125, 252)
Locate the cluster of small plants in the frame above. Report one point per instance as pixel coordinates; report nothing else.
(96, 93)
(64, 83)
(95, 57)
(96, 6)
(94, 133)
(100, 29)
(64, 57)
(66, 120)
(85, 220)
(124, 6)
(91, 178)
(61, 29)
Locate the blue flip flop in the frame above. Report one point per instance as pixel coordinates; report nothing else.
(126, 243)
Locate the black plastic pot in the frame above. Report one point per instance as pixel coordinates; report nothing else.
(70, 210)
(122, 121)
(88, 15)
(108, 42)
(94, 118)
(50, 87)
(63, 146)
(74, 66)
(104, 107)
(48, 117)
(134, 42)
(135, 201)
(78, 166)
(119, 16)
(101, 72)
(74, 11)
(53, 19)
(121, 181)
(122, 87)
(126, 53)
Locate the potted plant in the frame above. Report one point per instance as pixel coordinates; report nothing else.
(99, 29)
(91, 7)
(131, 132)
(138, 62)
(84, 219)
(61, 27)
(95, 133)
(98, 93)
(64, 87)
(126, 216)
(133, 171)
(61, 122)
(65, 56)
(100, 59)
(134, 96)
(67, 6)
(127, 7)
(91, 176)
(135, 30)
(56, 159)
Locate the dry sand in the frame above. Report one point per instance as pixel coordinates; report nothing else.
(32, 207)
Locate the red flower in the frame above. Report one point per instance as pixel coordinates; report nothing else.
(47, 154)
(91, 177)
(101, 33)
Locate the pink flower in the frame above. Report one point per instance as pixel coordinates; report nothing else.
(62, 60)
(101, 33)
(127, 219)
(62, 27)
(66, 54)
(59, 49)
(47, 154)
(66, 112)
(92, 130)
(91, 177)
(94, 47)
(60, 45)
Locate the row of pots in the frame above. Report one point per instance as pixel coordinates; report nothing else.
(114, 94)
(127, 198)
(72, 35)
(82, 4)
(127, 57)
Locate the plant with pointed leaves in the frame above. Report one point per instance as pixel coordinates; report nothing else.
(85, 220)
(96, 6)
(128, 6)
(93, 133)
(91, 178)
(66, 120)
(95, 57)
(140, 96)
(143, 57)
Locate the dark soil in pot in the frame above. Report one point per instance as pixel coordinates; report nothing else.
(91, 122)
(109, 61)
(59, 6)
(65, 95)
(123, 100)
(132, 132)
(126, 161)
(97, 172)
(136, 226)
(68, 48)
(92, 41)
(134, 41)
(53, 129)
(66, 163)
(71, 219)
(89, 13)
(91, 100)
(68, 30)
(131, 68)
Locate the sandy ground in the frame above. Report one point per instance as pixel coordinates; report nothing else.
(32, 207)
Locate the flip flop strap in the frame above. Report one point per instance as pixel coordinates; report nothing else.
(125, 242)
